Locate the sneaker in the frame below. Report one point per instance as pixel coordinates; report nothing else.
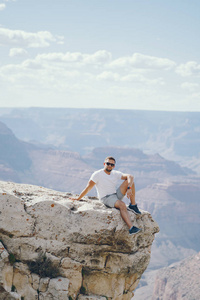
(134, 230)
(134, 209)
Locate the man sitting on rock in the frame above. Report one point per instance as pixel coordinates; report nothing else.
(105, 181)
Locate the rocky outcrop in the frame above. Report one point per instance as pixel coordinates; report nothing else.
(180, 281)
(82, 248)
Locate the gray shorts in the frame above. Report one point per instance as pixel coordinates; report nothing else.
(110, 200)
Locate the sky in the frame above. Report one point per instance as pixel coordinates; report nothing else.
(120, 54)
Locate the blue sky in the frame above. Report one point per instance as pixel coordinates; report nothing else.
(123, 54)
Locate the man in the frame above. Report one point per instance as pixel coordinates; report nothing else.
(105, 181)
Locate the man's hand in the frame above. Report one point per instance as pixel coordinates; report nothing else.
(84, 192)
(74, 198)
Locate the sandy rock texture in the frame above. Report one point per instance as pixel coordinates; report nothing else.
(180, 281)
(86, 242)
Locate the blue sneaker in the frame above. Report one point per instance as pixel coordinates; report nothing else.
(134, 209)
(134, 230)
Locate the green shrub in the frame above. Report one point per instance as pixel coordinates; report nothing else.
(13, 288)
(11, 258)
(44, 267)
(83, 290)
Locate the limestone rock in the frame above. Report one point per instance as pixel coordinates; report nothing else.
(88, 243)
(57, 289)
(92, 297)
(180, 281)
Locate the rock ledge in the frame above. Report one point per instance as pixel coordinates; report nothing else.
(88, 243)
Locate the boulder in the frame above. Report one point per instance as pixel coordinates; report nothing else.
(85, 242)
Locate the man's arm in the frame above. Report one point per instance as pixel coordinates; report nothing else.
(88, 187)
(129, 178)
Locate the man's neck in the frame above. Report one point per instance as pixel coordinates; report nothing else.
(107, 172)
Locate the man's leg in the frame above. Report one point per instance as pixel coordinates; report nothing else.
(124, 213)
(123, 189)
(125, 216)
(122, 206)
(132, 206)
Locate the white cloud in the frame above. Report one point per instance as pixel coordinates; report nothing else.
(130, 78)
(108, 76)
(2, 6)
(191, 68)
(32, 74)
(141, 61)
(31, 64)
(77, 75)
(23, 39)
(98, 58)
(92, 64)
(67, 71)
(142, 79)
(190, 86)
(17, 52)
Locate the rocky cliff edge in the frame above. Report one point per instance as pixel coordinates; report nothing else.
(82, 247)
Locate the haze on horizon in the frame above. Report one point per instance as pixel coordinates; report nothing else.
(100, 54)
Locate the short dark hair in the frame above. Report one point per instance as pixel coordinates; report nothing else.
(111, 158)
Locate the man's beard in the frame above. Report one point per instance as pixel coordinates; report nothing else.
(108, 170)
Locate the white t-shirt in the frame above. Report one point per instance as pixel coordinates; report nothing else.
(106, 184)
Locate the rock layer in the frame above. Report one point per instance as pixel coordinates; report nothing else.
(88, 243)
(180, 281)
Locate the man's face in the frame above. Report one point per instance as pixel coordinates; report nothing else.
(109, 165)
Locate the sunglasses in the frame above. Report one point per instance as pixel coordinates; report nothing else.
(109, 164)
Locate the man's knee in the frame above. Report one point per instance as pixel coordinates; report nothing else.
(121, 205)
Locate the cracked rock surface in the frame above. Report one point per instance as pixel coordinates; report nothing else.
(87, 242)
